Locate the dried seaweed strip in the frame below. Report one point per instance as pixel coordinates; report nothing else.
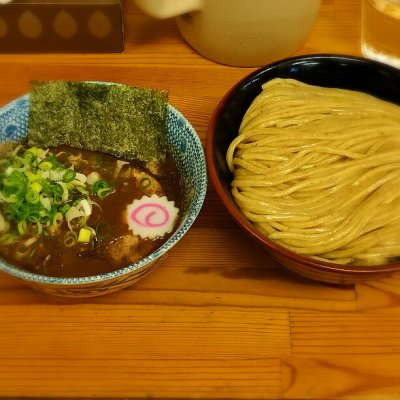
(146, 113)
(127, 122)
(53, 112)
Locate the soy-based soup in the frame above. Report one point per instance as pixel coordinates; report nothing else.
(81, 223)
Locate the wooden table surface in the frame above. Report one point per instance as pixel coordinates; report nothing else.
(218, 319)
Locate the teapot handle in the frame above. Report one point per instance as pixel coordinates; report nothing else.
(168, 8)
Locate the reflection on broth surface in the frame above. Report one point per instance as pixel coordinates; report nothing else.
(91, 236)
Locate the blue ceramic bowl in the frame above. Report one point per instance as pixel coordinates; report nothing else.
(189, 155)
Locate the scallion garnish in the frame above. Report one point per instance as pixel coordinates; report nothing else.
(99, 187)
(45, 166)
(145, 182)
(38, 193)
(69, 175)
(32, 196)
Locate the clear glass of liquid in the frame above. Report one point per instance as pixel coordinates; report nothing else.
(380, 30)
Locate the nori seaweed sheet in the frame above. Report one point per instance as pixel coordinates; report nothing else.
(125, 121)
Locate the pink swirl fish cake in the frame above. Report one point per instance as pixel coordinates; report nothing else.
(152, 217)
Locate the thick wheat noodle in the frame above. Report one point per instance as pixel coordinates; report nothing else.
(303, 157)
(302, 115)
(368, 207)
(324, 199)
(320, 177)
(317, 170)
(259, 206)
(363, 243)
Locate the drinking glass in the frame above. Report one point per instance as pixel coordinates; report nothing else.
(380, 30)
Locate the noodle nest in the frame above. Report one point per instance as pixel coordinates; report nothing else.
(317, 170)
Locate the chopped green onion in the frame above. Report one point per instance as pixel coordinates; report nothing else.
(82, 190)
(14, 177)
(22, 226)
(2, 222)
(32, 197)
(57, 219)
(36, 227)
(102, 229)
(69, 175)
(65, 193)
(13, 198)
(93, 177)
(145, 182)
(29, 156)
(99, 185)
(45, 166)
(57, 199)
(75, 217)
(34, 150)
(8, 238)
(34, 216)
(36, 186)
(87, 209)
(45, 201)
(31, 176)
(104, 192)
(70, 239)
(57, 191)
(64, 208)
(38, 192)
(18, 162)
(53, 160)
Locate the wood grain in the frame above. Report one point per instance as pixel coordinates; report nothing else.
(218, 319)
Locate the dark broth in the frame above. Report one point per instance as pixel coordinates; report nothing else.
(115, 246)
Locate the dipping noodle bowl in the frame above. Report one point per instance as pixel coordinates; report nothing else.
(306, 159)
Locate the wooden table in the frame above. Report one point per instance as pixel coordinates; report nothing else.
(218, 319)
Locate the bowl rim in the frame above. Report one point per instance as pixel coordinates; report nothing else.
(155, 255)
(269, 245)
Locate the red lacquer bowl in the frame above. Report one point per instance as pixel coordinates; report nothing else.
(324, 70)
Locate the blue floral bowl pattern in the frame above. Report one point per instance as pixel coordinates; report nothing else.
(189, 155)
